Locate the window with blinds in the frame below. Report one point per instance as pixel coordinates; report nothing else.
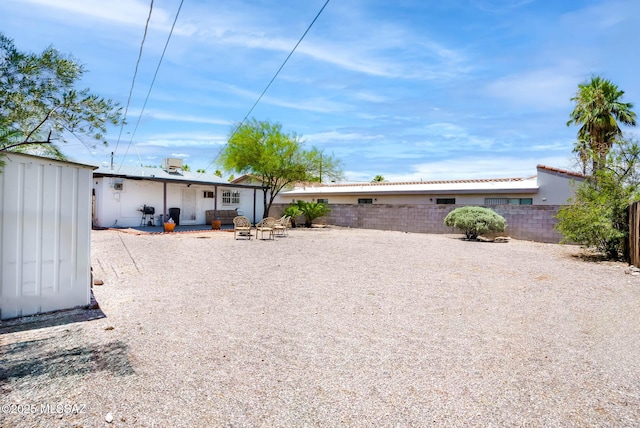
(508, 201)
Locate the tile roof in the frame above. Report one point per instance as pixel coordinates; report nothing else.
(401, 183)
(562, 171)
(500, 185)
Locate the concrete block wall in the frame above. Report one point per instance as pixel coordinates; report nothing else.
(528, 222)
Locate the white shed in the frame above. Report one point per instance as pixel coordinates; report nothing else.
(45, 235)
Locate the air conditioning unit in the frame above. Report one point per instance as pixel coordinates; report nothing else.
(172, 164)
(118, 186)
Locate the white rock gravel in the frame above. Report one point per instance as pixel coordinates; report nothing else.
(334, 327)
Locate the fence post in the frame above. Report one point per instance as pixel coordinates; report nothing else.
(633, 240)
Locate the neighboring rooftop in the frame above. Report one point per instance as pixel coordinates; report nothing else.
(562, 171)
(495, 185)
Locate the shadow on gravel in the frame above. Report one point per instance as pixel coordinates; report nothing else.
(593, 258)
(93, 312)
(28, 360)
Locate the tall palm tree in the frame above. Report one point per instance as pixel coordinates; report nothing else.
(598, 111)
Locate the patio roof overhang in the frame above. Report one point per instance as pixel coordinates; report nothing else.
(177, 180)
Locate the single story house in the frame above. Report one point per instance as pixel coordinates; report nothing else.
(529, 204)
(550, 186)
(130, 196)
(45, 235)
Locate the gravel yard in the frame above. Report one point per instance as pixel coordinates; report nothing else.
(333, 327)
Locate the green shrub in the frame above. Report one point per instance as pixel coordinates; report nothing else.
(474, 221)
(293, 212)
(597, 215)
(312, 210)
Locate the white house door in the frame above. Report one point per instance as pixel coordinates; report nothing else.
(188, 212)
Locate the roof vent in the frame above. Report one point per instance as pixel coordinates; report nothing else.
(171, 164)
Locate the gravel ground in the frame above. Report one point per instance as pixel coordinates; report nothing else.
(334, 327)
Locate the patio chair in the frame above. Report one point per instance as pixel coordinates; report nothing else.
(241, 227)
(265, 225)
(280, 226)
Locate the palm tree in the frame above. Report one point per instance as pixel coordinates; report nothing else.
(598, 111)
(584, 154)
(378, 178)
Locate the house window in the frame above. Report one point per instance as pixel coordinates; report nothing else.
(323, 201)
(365, 201)
(230, 197)
(445, 201)
(496, 201)
(523, 201)
(508, 201)
(208, 194)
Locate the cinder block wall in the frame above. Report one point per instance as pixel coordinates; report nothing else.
(529, 222)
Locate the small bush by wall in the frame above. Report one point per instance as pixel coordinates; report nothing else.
(474, 221)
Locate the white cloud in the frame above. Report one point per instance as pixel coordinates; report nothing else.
(323, 137)
(176, 117)
(499, 6)
(549, 88)
(447, 137)
(477, 167)
(124, 12)
(178, 143)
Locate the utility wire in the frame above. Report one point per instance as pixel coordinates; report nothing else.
(135, 73)
(268, 85)
(151, 86)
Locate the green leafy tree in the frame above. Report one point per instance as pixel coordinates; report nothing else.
(474, 221)
(218, 173)
(38, 98)
(599, 111)
(312, 211)
(597, 215)
(263, 149)
(186, 167)
(377, 179)
(8, 138)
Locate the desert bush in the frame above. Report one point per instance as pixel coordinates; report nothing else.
(474, 221)
(597, 215)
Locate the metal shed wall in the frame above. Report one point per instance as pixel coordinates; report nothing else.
(45, 235)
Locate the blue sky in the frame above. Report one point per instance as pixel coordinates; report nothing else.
(410, 90)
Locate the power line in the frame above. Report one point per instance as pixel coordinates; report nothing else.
(269, 84)
(144, 105)
(135, 73)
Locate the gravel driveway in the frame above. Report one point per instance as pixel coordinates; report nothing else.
(334, 327)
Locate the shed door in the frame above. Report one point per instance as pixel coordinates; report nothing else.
(188, 213)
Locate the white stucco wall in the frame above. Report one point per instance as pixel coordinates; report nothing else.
(555, 188)
(119, 208)
(45, 235)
